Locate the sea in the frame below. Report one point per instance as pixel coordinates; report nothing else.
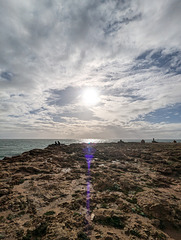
(14, 147)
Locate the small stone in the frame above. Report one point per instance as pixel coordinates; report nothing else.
(92, 216)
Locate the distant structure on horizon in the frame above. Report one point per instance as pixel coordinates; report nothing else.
(153, 141)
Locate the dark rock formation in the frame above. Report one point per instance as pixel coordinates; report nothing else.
(153, 141)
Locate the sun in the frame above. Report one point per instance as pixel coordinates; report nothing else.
(90, 97)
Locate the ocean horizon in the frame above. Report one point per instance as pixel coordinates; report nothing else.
(14, 147)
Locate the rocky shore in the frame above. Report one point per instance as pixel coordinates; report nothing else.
(135, 192)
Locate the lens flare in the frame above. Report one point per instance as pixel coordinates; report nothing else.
(89, 154)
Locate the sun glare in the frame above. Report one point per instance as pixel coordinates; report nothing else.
(90, 97)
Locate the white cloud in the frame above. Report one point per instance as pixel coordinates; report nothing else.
(48, 45)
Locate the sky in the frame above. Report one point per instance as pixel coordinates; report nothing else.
(129, 51)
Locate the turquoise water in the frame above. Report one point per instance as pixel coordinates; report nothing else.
(13, 147)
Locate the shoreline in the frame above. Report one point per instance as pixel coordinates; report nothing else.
(15, 147)
(134, 192)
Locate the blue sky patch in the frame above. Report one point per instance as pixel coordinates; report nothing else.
(115, 26)
(63, 97)
(168, 62)
(171, 114)
(36, 111)
(6, 75)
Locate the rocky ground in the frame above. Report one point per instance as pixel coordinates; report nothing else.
(135, 192)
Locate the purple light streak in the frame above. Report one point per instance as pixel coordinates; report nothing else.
(89, 154)
(88, 158)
